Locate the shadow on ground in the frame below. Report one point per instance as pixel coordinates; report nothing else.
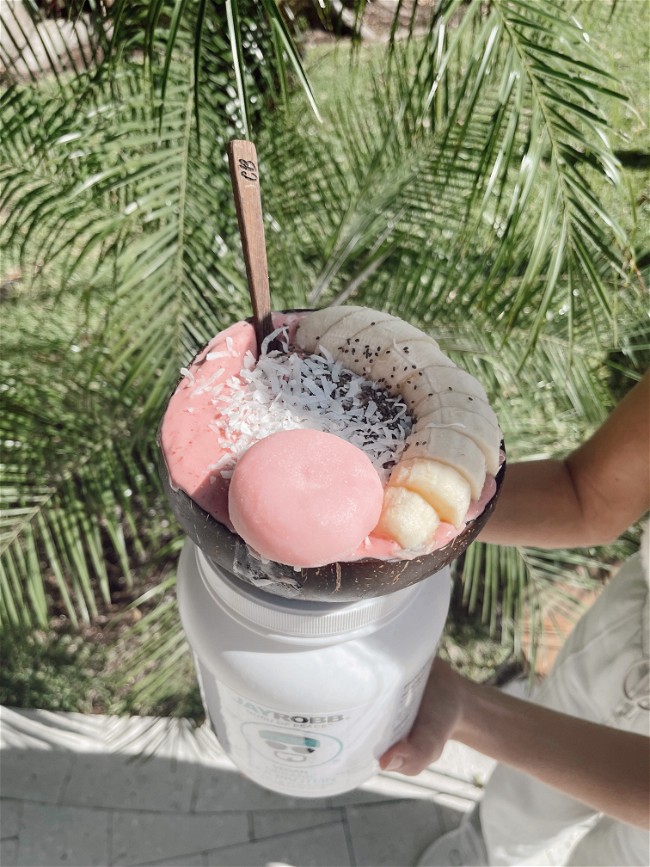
(84, 790)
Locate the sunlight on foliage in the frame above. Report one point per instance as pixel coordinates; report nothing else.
(467, 180)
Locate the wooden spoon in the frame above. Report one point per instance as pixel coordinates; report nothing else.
(242, 158)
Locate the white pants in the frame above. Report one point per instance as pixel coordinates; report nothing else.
(601, 674)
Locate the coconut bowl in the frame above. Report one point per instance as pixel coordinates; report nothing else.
(337, 582)
(345, 581)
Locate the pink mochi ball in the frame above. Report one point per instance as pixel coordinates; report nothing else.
(304, 498)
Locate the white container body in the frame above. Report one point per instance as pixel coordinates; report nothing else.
(303, 696)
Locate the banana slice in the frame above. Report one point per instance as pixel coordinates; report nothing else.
(344, 336)
(440, 485)
(394, 330)
(455, 439)
(407, 518)
(313, 328)
(314, 325)
(368, 346)
(457, 402)
(361, 347)
(399, 361)
(477, 416)
(346, 333)
(450, 446)
(479, 426)
(418, 388)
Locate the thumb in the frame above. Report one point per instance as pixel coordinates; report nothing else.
(395, 757)
(412, 755)
(434, 724)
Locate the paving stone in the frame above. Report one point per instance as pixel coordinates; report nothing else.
(47, 730)
(317, 847)
(8, 852)
(141, 838)
(198, 860)
(9, 818)
(217, 790)
(123, 781)
(81, 733)
(395, 833)
(389, 787)
(77, 790)
(70, 836)
(455, 781)
(378, 790)
(33, 47)
(34, 774)
(160, 738)
(270, 823)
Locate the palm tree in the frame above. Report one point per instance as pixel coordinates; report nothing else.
(465, 179)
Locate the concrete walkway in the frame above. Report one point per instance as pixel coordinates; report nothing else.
(93, 790)
(98, 790)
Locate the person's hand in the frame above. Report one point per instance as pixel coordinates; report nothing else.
(438, 719)
(553, 747)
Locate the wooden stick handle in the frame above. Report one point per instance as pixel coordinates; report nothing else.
(242, 158)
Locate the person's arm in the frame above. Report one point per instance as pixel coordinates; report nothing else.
(590, 497)
(603, 767)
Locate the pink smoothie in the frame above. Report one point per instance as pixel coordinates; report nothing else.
(202, 450)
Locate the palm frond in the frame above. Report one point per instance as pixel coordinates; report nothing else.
(74, 481)
(461, 190)
(157, 674)
(128, 229)
(36, 44)
(260, 45)
(490, 200)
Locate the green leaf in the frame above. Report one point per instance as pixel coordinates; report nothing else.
(232, 16)
(465, 182)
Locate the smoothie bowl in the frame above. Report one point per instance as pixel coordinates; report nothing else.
(346, 457)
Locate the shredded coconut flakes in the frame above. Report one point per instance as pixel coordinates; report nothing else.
(287, 390)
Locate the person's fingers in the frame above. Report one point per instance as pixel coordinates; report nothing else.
(412, 755)
(393, 758)
(433, 727)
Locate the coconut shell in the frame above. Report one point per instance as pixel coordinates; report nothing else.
(346, 581)
(339, 582)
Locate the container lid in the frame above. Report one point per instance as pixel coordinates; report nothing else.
(296, 617)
